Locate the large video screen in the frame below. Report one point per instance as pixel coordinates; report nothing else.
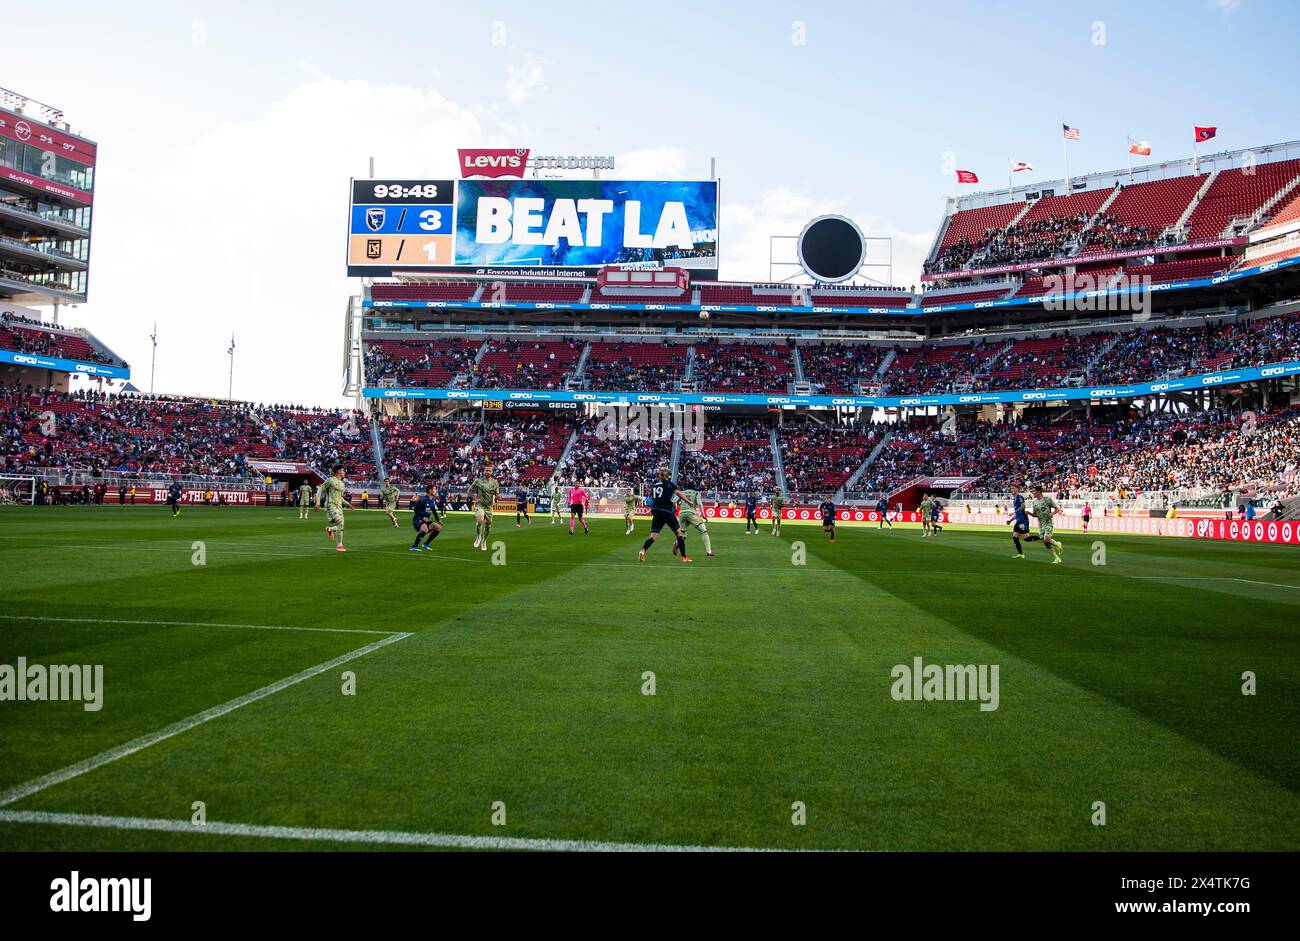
(497, 225)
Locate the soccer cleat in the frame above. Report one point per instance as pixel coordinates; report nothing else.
(394, 524)
(1018, 555)
(684, 559)
(329, 533)
(339, 548)
(413, 549)
(484, 547)
(427, 548)
(641, 555)
(1057, 560)
(709, 554)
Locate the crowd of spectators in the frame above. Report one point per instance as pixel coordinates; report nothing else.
(20, 334)
(518, 364)
(837, 368)
(736, 458)
(628, 367)
(818, 459)
(743, 367)
(1108, 234)
(420, 363)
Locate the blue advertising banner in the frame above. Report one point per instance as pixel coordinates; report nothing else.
(537, 397)
(63, 365)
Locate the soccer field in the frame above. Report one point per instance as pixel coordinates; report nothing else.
(499, 704)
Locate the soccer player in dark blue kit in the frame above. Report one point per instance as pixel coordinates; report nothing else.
(1019, 521)
(751, 512)
(882, 507)
(936, 516)
(174, 498)
(521, 506)
(827, 511)
(664, 513)
(426, 519)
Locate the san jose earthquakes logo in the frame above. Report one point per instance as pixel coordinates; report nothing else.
(375, 218)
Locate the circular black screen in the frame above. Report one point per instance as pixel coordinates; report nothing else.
(831, 248)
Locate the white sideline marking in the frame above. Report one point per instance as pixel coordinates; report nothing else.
(1211, 578)
(393, 837)
(247, 627)
(184, 725)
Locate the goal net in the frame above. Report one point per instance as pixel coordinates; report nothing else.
(17, 490)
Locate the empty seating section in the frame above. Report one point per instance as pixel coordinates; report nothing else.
(1289, 210)
(541, 292)
(1156, 204)
(625, 367)
(970, 224)
(519, 364)
(1236, 194)
(424, 291)
(869, 299)
(931, 299)
(743, 367)
(1183, 269)
(421, 363)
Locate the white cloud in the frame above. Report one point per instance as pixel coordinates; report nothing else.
(525, 80)
(245, 230)
(1228, 7)
(652, 163)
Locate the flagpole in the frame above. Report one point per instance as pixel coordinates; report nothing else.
(1129, 148)
(1196, 157)
(1065, 153)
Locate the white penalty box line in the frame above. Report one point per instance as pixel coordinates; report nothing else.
(359, 837)
(46, 781)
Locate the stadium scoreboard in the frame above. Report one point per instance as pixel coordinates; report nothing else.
(512, 226)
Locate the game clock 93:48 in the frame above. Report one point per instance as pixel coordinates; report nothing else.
(403, 191)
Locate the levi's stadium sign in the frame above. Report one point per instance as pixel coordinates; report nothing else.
(493, 163)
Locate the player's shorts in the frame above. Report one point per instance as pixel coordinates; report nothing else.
(1045, 530)
(390, 505)
(1020, 527)
(576, 509)
(419, 523)
(828, 521)
(1087, 517)
(661, 518)
(692, 519)
(334, 517)
(751, 514)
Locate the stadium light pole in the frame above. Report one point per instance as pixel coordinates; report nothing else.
(230, 388)
(153, 357)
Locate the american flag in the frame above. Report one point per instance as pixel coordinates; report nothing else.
(1071, 133)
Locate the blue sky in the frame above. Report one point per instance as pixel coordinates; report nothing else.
(228, 130)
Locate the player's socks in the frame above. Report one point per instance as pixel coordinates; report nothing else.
(708, 544)
(645, 546)
(1019, 549)
(570, 525)
(433, 534)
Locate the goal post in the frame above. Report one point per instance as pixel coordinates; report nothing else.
(17, 490)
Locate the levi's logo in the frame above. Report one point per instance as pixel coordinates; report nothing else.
(493, 163)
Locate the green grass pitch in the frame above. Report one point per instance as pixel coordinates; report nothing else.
(522, 684)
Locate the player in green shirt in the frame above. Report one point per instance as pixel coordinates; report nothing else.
(778, 504)
(483, 494)
(304, 500)
(388, 495)
(691, 516)
(926, 506)
(330, 496)
(629, 508)
(556, 494)
(1044, 509)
